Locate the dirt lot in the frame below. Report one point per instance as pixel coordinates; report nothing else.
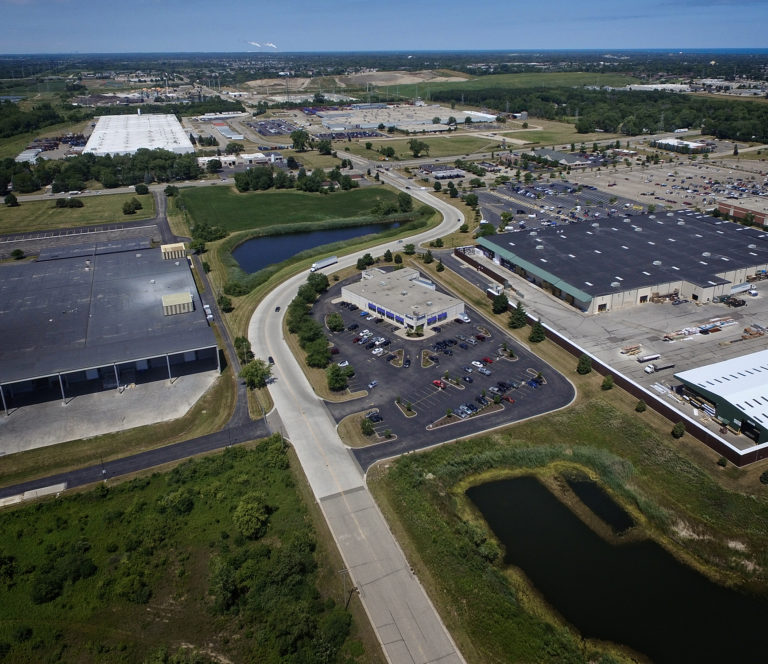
(354, 80)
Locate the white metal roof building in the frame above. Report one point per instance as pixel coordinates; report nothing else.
(403, 297)
(738, 389)
(125, 134)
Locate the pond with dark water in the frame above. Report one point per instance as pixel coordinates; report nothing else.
(259, 252)
(600, 503)
(635, 594)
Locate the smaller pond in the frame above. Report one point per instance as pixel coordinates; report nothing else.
(635, 594)
(259, 252)
(601, 505)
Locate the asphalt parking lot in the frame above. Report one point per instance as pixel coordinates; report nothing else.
(451, 355)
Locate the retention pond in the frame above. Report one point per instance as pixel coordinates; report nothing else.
(634, 594)
(259, 252)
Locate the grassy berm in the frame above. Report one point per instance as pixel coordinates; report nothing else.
(214, 561)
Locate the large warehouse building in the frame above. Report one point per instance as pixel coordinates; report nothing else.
(734, 391)
(624, 262)
(402, 297)
(88, 318)
(125, 134)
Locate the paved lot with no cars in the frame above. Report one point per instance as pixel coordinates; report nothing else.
(450, 355)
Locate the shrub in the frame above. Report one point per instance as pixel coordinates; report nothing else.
(607, 383)
(764, 477)
(366, 426)
(640, 407)
(537, 333)
(585, 364)
(17, 254)
(225, 304)
(141, 189)
(678, 431)
(251, 515)
(722, 462)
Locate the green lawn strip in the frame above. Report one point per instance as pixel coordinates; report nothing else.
(224, 206)
(44, 215)
(220, 553)
(439, 146)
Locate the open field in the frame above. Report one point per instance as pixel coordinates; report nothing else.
(226, 207)
(558, 134)
(43, 215)
(516, 81)
(440, 146)
(125, 571)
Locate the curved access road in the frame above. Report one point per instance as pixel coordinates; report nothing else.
(406, 623)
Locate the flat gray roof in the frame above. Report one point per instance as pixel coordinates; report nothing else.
(636, 251)
(401, 291)
(92, 307)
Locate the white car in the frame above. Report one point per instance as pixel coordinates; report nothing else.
(378, 351)
(343, 363)
(477, 364)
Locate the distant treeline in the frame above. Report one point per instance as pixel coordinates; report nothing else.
(14, 121)
(72, 174)
(625, 112)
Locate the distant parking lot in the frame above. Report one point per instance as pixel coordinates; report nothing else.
(461, 369)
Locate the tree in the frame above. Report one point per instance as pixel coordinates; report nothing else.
(464, 228)
(324, 146)
(585, 364)
(640, 406)
(437, 186)
(735, 150)
(171, 190)
(418, 147)
(409, 250)
(243, 349)
(404, 202)
(368, 146)
(388, 256)
(607, 383)
(213, 166)
(451, 120)
(336, 378)
(225, 304)
(335, 322)
(130, 207)
(198, 246)
(141, 189)
(517, 317)
(467, 120)
(471, 200)
(398, 259)
(234, 148)
(11, 201)
(436, 120)
(17, 254)
(366, 426)
(500, 303)
(440, 267)
(251, 515)
(300, 138)
(537, 333)
(256, 373)
(428, 257)
(678, 431)
(318, 282)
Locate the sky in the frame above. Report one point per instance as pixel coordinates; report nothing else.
(109, 26)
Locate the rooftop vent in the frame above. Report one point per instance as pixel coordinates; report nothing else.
(657, 263)
(615, 284)
(706, 254)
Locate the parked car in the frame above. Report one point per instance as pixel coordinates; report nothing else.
(468, 369)
(508, 398)
(480, 337)
(484, 371)
(373, 416)
(343, 363)
(477, 363)
(373, 384)
(407, 363)
(354, 326)
(487, 360)
(439, 384)
(467, 379)
(271, 360)
(334, 350)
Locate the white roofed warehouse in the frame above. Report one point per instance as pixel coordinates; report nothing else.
(735, 392)
(403, 298)
(125, 134)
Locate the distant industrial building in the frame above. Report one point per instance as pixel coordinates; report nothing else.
(412, 117)
(87, 318)
(402, 297)
(125, 134)
(734, 392)
(677, 145)
(624, 262)
(442, 171)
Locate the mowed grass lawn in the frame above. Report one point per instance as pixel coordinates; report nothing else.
(558, 134)
(440, 146)
(44, 216)
(234, 211)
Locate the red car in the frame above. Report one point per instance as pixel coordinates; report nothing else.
(487, 360)
(480, 337)
(439, 384)
(506, 397)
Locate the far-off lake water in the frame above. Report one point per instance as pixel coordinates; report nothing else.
(635, 594)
